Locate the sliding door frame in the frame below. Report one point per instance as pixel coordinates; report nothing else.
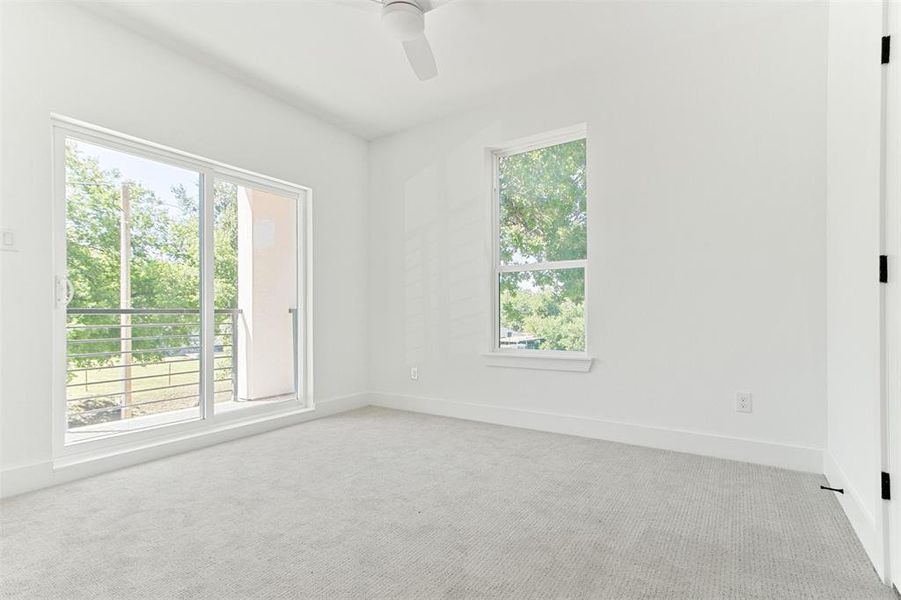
(889, 517)
(209, 171)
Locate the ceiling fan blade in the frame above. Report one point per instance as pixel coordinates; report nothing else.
(419, 53)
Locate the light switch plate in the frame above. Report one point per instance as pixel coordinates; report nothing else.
(8, 241)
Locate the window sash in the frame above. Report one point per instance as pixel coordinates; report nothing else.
(538, 142)
(553, 265)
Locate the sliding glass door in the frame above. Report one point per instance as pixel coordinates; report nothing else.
(180, 290)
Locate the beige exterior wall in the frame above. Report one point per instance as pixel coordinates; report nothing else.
(267, 289)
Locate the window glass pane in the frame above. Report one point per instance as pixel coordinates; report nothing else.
(256, 262)
(542, 310)
(542, 204)
(133, 261)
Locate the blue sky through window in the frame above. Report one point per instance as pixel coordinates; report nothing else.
(156, 176)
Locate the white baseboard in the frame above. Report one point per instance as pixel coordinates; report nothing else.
(30, 477)
(25, 478)
(787, 456)
(862, 519)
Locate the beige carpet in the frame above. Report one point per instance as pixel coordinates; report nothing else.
(385, 504)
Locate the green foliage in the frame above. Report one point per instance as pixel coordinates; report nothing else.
(226, 243)
(543, 204)
(560, 326)
(543, 218)
(92, 231)
(165, 260)
(546, 311)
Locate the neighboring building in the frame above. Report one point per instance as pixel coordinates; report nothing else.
(518, 339)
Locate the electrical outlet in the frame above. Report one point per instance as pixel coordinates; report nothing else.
(414, 373)
(743, 402)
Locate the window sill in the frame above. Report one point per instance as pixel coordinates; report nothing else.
(160, 435)
(544, 361)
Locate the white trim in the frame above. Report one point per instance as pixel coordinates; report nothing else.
(303, 391)
(787, 456)
(492, 154)
(130, 143)
(26, 478)
(305, 332)
(58, 318)
(558, 265)
(546, 361)
(165, 432)
(862, 519)
(891, 299)
(540, 140)
(207, 195)
(209, 170)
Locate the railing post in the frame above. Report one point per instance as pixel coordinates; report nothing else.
(234, 354)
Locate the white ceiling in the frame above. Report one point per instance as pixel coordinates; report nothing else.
(331, 58)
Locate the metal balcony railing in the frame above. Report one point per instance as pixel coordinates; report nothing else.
(125, 363)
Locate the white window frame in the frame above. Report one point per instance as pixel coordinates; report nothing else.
(208, 421)
(496, 356)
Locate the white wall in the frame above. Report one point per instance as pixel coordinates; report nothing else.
(706, 242)
(64, 60)
(852, 458)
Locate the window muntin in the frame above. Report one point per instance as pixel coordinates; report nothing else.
(541, 247)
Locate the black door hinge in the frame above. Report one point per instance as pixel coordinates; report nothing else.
(886, 48)
(886, 486)
(883, 268)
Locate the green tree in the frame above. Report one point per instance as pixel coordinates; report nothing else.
(164, 264)
(543, 218)
(164, 267)
(543, 204)
(164, 261)
(226, 243)
(545, 313)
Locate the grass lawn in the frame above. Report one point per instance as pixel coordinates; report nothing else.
(178, 376)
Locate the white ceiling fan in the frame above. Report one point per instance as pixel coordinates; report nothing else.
(405, 20)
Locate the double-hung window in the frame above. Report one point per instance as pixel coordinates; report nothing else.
(540, 247)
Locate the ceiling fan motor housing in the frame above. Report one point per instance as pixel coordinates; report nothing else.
(404, 19)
